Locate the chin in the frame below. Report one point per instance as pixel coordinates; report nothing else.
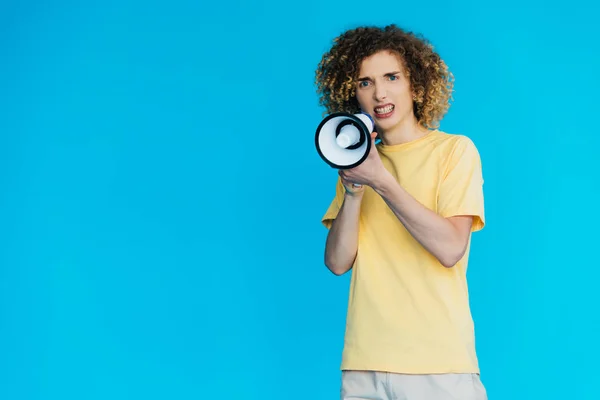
(387, 124)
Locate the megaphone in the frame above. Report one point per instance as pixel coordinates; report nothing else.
(343, 140)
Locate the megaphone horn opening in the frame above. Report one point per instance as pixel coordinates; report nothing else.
(361, 135)
(345, 146)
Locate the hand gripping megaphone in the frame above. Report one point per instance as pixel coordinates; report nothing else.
(343, 140)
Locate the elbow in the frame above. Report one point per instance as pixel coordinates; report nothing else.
(452, 258)
(336, 268)
(339, 271)
(454, 249)
(448, 262)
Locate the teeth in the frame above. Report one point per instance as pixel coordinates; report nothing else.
(384, 110)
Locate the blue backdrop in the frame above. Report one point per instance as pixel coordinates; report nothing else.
(161, 196)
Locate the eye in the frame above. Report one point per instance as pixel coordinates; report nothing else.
(393, 77)
(363, 83)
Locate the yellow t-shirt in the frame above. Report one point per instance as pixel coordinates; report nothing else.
(407, 313)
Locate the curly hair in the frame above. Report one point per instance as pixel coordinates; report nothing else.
(430, 79)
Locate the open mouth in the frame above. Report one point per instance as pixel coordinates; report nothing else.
(384, 111)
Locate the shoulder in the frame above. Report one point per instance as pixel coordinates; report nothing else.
(453, 139)
(455, 144)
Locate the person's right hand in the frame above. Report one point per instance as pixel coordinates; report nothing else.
(352, 189)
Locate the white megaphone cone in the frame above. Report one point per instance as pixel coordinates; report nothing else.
(343, 140)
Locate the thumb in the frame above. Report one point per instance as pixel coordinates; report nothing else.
(373, 135)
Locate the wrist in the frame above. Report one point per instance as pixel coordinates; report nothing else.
(384, 182)
(353, 197)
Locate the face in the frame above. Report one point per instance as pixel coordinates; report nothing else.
(383, 90)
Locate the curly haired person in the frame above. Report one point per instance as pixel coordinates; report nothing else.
(405, 230)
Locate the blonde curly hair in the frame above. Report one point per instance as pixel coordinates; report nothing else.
(431, 81)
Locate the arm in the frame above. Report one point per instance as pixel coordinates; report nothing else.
(445, 238)
(444, 234)
(342, 240)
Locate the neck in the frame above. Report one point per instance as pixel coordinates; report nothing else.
(405, 131)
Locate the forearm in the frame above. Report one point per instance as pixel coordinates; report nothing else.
(435, 233)
(342, 241)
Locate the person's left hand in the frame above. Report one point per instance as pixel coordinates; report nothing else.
(369, 172)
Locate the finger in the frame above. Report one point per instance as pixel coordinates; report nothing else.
(344, 180)
(373, 135)
(344, 175)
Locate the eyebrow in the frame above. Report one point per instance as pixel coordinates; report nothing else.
(365, 78)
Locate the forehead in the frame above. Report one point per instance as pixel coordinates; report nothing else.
(382, 62)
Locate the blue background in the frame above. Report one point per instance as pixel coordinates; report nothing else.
(161, 196)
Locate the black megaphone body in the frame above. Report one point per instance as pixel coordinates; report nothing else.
(343, 140)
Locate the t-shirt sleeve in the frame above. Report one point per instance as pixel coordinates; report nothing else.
(335, 205)
(461, 191)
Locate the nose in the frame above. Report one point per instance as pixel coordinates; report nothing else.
(380, 92)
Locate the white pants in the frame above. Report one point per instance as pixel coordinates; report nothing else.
(359, 385)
